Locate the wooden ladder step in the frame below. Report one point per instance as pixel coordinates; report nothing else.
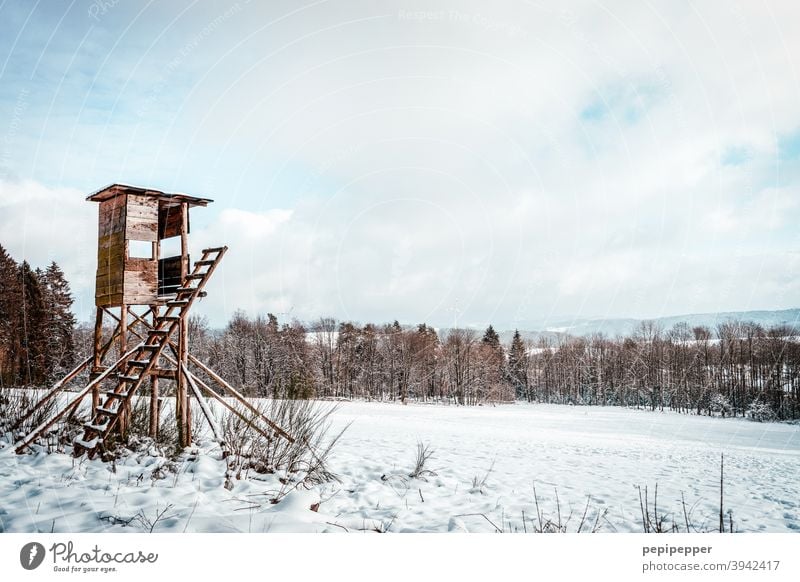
(197, 275)
(204, 262)
(185, 290)
(119, 395)
(123, 378)
(158, 332)
(169, 318)
(139, 363)
(107, 411)
(98, 427)
(215, 250)
(177, 303)
(88, 445)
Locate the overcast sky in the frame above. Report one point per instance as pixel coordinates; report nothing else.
(447, 162)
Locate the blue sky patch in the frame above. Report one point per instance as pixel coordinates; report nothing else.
(735, 156)
(789, 146)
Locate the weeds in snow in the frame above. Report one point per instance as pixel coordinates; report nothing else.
(424, 454)
(149, 523)
(655, 522)
(479, 483)
(301, 462)
(15, 403)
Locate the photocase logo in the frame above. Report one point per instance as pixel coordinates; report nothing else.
(31, 555)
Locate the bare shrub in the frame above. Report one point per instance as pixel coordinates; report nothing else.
(304, 461)
(139, 427)
(149, 523)
(424, 454)
(479, 483)
(652, 520)
(560, 523)
(15, 403)
(760, 411)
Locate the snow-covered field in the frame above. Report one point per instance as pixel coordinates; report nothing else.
(486, 461)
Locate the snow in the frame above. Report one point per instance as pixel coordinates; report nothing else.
(486, 461)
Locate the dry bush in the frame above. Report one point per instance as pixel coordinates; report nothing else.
(424, 454)
(303, 461)
(560, 523)
(16, 402)
(139, 426)
(479, 483)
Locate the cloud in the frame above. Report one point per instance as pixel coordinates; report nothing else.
(41, 224)
(444, 162)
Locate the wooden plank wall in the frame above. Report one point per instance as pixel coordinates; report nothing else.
(121, 280)
(141, 281)
(141, 275)
(110, 252)
(170, 220)
(142, 220)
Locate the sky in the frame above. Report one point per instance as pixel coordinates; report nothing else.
(455, 163)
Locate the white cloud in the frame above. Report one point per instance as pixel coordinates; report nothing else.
(503, 163)
(40, 224)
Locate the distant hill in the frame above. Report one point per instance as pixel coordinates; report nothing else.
(624, 326)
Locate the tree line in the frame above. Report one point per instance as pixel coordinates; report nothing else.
(735, 369)
(36, 323)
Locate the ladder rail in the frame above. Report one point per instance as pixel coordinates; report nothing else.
(52, 392)
(158, 337)
(26, 442)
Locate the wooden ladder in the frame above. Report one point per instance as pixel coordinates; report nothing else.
(135, 366)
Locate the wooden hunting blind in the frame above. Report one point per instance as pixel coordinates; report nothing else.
(133, 222)
(147, 297)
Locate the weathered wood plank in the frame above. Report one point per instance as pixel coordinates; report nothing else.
(170, 221)
(140, 265)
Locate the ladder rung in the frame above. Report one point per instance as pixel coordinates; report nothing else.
(88, 445)
(149, 347)
(185, 290)
(177, 303)
(196, 275)
(159, 331)
(170, 318)
(99, 427)
(204, 262)
(119, 395)
(215, 250)
(139, 363)
(106, 411)
(123, 378)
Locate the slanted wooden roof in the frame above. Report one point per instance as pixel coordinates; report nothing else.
(115, 190)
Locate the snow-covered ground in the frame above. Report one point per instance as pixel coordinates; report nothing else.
(486, 461)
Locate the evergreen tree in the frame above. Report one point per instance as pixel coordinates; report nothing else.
(10, 317)
(517, 365)
(491, 339)
(33, 348)
(59, 323)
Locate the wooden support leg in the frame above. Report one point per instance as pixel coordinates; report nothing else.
(154, 408)
(181, 404)
(123, 347)
(184, 416)
(98, 358)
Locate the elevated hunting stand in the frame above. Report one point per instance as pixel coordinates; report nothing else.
(131, 274)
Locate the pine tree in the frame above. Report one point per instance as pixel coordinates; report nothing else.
(491, 339)
(59, 323)
(10, 317)
(516, 366)
(33, 332)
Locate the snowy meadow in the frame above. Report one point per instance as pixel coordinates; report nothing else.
(506, 468)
